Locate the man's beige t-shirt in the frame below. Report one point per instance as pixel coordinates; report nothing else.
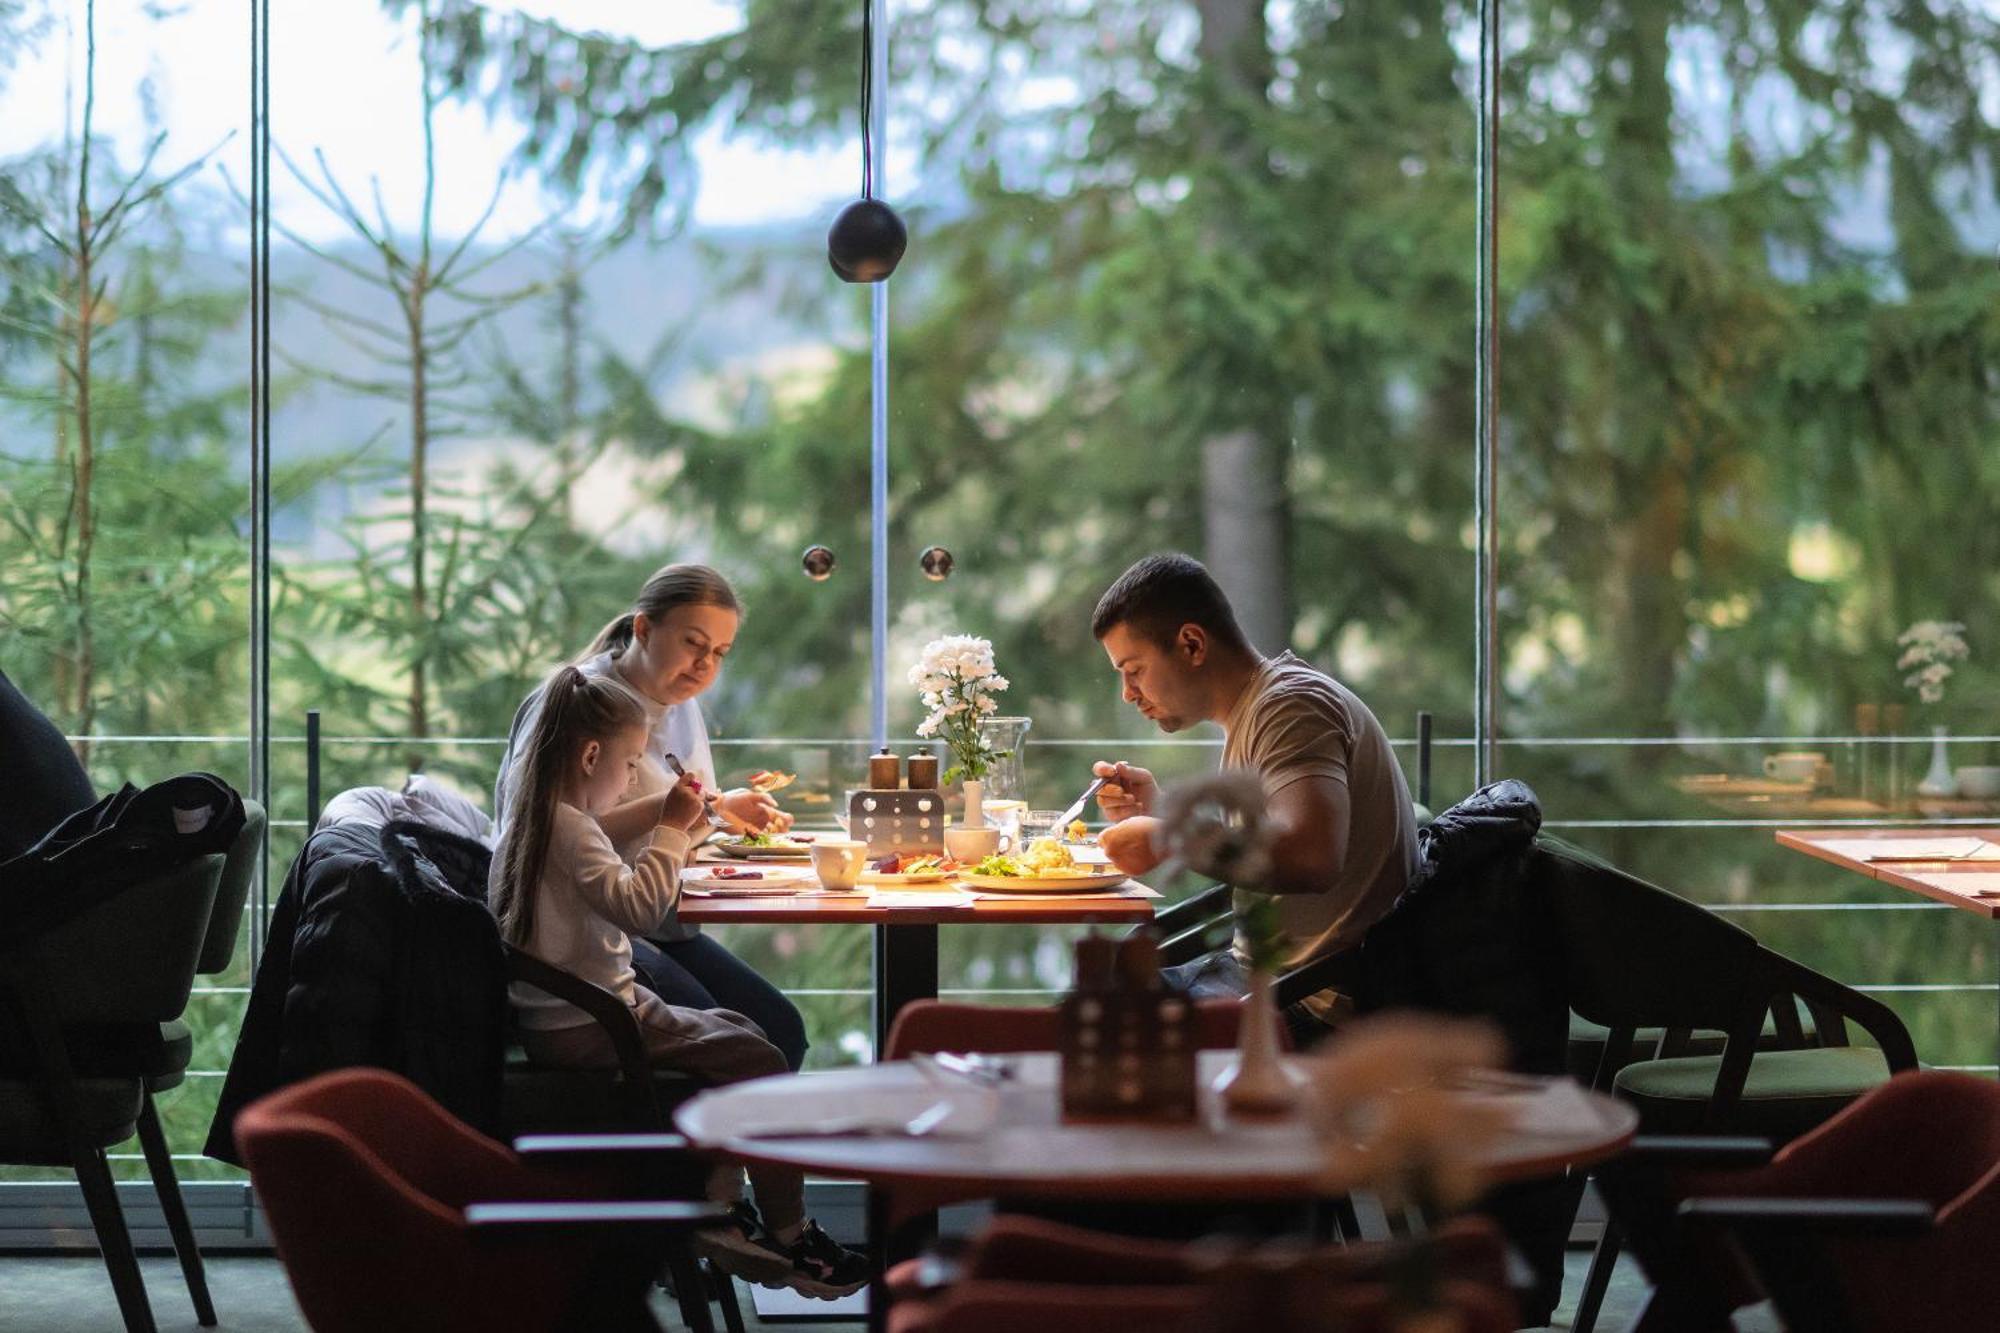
(1294, 722)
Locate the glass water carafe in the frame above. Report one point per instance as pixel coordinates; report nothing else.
(1007, 780)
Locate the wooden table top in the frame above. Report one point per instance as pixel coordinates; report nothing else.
(827, 909)
(1969, 885)
(1029, 909)
(1031, 1153)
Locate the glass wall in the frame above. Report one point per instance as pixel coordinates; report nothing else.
(550, 308)
(124, 514)
(1748, 362)
(1189, 278)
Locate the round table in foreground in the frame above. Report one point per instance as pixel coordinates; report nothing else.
(1031, 1153)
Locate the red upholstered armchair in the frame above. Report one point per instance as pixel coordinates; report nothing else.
(390, 1214)
(927, 1026)
(1027, 1273)
(1886, 1217)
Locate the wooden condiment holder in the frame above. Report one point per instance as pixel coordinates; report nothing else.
(1128, 1039)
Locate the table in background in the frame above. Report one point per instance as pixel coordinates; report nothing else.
(906, 938)
(1030, 1153)
(1970, 886)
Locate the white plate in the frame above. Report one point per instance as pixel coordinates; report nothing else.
(1046, 883)
(883, 877)
(789, 878)
(795, 851)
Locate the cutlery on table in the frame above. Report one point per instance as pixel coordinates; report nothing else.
(715, 822)
(985, 1070)
(1075, 808)
(918, 1125)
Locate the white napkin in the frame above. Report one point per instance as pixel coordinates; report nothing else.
(887, 898)
(785, 1108)
(1913, 849)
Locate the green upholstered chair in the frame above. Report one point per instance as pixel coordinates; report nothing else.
(1586, 1042)
(1638, 956)
(87, 993)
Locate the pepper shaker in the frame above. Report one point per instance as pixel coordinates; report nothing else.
(884, 770)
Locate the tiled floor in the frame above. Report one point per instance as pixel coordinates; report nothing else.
(42, 1294)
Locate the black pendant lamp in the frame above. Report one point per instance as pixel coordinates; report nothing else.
(867, 239)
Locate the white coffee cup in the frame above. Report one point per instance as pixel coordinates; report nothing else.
(1981, 782)
(1795, 766)
(838, 861)
(971, 844)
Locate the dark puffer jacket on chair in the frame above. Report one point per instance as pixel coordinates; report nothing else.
(381, 953)
(1474, 933)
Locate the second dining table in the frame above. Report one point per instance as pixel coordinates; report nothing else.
(906, 933)
(1024, 1150)
(1952, 864)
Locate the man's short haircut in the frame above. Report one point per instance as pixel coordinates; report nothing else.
(1163, 592)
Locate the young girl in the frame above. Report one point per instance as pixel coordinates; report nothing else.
(562, 893)
(668, 648)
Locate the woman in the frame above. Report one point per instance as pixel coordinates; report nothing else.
(667, 649)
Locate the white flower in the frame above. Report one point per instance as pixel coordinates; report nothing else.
(1215, 827)
(1388, 1116)
(1931, 645)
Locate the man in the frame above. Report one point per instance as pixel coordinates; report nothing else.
(1344, 841)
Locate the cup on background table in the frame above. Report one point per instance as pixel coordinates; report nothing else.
(838, 862)
(1797, 766)
(1981, 782)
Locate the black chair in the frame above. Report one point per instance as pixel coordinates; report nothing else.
(1639, 956)
(89, 986)
(619, 1115)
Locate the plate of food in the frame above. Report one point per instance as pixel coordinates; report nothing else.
(767, 846)
(1046, 867)
(911, 868)
(746, 881)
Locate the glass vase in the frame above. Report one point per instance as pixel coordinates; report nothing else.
(1257, 1083)
(1006, 777)
(1939, 782)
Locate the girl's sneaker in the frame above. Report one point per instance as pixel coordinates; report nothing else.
(821, 1266)
(743, 1246)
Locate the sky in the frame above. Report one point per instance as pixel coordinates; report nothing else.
(344, 83)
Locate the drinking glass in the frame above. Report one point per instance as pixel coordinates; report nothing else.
(1038, 824)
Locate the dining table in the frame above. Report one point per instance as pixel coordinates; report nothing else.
(1955, 864)
(1018, 1146)
(906, 920)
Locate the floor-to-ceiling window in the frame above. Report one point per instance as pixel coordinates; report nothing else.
(551, 308)
(124, 444)
(1749, 439)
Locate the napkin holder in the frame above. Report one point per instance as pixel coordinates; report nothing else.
(898, 821)
(1127, 1040)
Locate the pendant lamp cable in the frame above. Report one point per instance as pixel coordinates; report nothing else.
(867, 98)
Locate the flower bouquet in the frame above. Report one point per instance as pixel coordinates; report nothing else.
(1929, 648)
(957, 682)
